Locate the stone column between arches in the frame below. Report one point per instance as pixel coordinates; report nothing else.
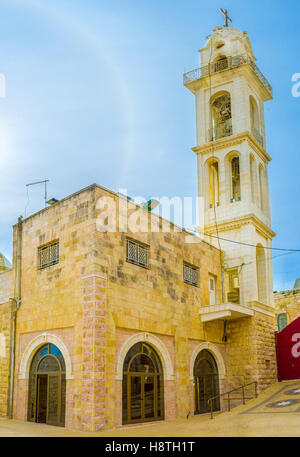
(93, 353)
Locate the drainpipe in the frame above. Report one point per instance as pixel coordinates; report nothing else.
(16, 305)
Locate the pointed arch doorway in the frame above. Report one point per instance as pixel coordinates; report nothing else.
(142, 392)
(47, 386)
(206, 381)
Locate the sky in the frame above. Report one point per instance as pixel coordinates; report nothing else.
(94, 94)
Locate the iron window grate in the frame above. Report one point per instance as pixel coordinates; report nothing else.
(137, 254)
(49, 255)
(190, 274)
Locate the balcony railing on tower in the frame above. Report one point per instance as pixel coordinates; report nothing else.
(257, 136)
(227, 63)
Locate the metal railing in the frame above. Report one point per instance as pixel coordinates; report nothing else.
(227, 63)
(261, 76)
(243, 397)
(257, 136)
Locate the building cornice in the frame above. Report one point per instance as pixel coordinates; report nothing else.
(232, 224)
(262, 308)
(231, 141)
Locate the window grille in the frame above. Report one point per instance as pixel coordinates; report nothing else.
(49, 255)
(236, 188)
(137, 253)
(190, 274)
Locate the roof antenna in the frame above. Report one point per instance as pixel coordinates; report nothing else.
(33, 184)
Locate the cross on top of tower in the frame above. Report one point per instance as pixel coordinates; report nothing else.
(227, 18)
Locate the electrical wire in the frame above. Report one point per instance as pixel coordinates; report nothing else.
(251, 245)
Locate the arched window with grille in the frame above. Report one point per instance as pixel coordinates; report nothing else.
(220, 116)
(221, 63)
(235, 179)
(213, 183)
(254, 120)
(252, 177)
(262, 189)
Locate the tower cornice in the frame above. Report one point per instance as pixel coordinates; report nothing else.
(233, 224)
(231, 141)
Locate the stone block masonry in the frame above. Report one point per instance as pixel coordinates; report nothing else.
(93, 353)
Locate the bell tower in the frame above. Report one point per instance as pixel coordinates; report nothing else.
(230, 92)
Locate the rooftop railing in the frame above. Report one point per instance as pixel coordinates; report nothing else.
(227, 63)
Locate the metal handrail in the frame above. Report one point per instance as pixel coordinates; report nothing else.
(210, 400)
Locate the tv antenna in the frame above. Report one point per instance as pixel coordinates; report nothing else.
(33, 184)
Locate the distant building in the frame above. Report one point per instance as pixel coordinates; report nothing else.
(4, 263)
(287, 305)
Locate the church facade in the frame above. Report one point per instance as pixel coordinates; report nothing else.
(102, 328)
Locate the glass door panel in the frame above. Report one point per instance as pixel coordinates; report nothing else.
(42, 391)
(201, 395)
(149, 397)
(53, 399)
(135, 397)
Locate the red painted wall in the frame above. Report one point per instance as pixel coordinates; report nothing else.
(288, 351)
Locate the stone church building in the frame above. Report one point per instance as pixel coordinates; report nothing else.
(100, 329)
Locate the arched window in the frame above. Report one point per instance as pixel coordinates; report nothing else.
(261, 274)
(281, 321)
(254, 113)
(213, 184)
(254, 119)
(142, 391)
(47, 386)
(252, 177)
(221, 123)
(261, 174)
(220, 64)
(235, 179)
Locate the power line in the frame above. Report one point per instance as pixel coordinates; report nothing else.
(266, 259)
(251, 245)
